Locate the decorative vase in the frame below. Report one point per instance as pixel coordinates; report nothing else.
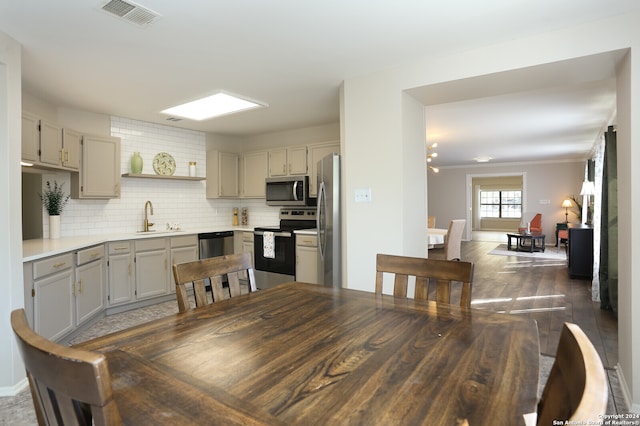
(54, 226)
(136, 163)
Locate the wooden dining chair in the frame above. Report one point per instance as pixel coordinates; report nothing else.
(69, 386)
(454, 239)
(443, 272)
(576, 389)
(214, 268)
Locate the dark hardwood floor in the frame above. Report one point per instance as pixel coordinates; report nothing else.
(542, 290)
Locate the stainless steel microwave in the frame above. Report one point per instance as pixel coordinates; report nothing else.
(288, 191)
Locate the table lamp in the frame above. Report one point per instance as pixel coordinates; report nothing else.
(566, 204)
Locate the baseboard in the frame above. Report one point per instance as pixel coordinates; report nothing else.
(633, 407)
(15, 389)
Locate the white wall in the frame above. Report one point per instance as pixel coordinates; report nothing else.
(373, 132)
(12, 376)
(628, 144)
(543, 181)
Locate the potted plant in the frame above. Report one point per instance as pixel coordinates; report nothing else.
(54, 200)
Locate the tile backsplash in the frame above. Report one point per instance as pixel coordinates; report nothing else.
(174, 201)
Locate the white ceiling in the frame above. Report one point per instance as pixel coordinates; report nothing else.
(294, 54)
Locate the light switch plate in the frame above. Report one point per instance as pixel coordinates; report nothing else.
(362, 195)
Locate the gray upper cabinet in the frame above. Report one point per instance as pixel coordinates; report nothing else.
(30, 138)
(288, 161)
(222, 174)
(254, 171)
(71, 143)
(50, 143)
(99, 175)
(47, 145)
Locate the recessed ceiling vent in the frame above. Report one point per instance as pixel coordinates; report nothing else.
(174, 119)
(131, 12)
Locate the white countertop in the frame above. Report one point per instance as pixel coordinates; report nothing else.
(40, 248)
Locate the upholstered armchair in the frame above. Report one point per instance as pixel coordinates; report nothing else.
(535, 224)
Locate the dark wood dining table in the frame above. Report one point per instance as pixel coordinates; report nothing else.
(302, 354)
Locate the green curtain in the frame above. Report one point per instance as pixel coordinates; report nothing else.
(609, 225)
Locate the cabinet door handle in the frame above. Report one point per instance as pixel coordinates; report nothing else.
(66, 155)
(61, 156)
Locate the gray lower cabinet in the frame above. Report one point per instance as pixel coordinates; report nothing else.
(69, 289)
(65, 293)
(141, 269)
(53, 282)
(120, 273)
(247, 245)
(183, 249)
(307, 258)
(89, 284)
(152, 267)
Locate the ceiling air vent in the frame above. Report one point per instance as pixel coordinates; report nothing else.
(131, 12)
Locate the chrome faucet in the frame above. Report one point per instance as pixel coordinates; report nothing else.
(147, 224)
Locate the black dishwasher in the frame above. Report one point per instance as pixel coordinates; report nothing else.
(213, 244)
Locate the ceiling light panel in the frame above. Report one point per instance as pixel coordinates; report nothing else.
(213, 106)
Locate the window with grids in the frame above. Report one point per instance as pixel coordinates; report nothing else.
(501, 204)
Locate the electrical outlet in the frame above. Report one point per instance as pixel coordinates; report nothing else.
(362, 195)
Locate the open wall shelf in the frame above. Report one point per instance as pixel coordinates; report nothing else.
(136, 175)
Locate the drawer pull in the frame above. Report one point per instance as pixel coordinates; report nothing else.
(121, 248)
(59, 265)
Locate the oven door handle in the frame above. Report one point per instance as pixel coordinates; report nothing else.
(275, 234)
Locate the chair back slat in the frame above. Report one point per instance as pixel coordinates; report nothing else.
(234, 283)
(422, 288)
(69, 386)
(443, 272)
(214, 270)
(576, 389)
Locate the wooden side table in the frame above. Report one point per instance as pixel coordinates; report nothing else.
(559, 227)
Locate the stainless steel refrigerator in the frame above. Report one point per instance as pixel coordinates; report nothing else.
(328, 220)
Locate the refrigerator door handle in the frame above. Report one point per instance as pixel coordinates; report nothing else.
(320, 220)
